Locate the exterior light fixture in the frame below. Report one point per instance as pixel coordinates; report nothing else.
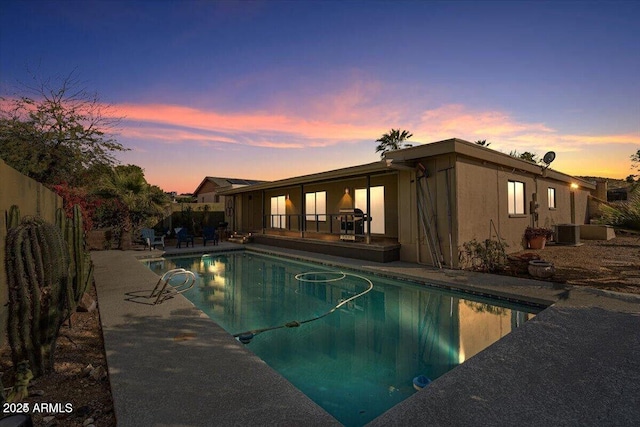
(574, 186)
(346, 190)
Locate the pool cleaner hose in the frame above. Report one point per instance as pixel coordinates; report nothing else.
(247, 336)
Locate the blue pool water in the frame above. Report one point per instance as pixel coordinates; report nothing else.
(360, 360)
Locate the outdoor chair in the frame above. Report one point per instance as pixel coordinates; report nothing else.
(183, 236)
(150, 238)
(210, 233)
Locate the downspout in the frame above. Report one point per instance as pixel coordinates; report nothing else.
(418, 224)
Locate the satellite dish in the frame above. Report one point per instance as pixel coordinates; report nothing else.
(549, 157)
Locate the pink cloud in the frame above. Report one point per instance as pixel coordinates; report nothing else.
(456, 119)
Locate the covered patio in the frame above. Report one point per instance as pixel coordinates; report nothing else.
(351, 212)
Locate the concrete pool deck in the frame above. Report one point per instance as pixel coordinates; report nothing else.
(576, 363)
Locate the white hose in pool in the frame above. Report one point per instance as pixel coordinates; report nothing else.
(247, 336)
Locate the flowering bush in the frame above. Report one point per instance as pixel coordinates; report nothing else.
(72, 196)
(531, 232)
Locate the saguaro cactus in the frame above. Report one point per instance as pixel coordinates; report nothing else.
(13, 217)
(81, 266)
(37, 264)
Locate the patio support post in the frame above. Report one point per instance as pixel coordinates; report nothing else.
(303, 208)
(368, 223)
(264, 225)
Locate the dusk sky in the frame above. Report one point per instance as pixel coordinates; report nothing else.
(275, 89)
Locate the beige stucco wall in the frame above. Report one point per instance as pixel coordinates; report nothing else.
(33, 199)
(482, 197)
(478, 203)
(416, 247)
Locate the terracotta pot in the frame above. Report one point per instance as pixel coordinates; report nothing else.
(537, 242)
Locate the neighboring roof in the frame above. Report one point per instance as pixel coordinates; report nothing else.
(226, 182)
(408, 158)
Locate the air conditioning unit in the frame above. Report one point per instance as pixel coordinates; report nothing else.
(568, 234)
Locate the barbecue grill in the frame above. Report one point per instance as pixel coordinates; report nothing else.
(352, 223)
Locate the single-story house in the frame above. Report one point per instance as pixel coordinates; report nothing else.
(418, 204)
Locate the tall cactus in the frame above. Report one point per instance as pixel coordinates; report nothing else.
(13, 217)
(81, 265)
(37, 264)
(80, 258)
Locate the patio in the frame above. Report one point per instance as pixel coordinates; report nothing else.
(577, 362)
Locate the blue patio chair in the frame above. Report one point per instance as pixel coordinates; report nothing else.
(183, 236)
(150, 238)
(210, 233)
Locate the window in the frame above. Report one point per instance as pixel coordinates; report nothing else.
(516, 197)
(551, 197)
(316, 204)
(377, 206)
(278, 211)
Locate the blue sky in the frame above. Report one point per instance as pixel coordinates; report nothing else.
(273, 89)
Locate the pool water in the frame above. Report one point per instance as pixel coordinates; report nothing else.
(360, 360)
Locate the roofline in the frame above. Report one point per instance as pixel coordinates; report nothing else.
(472, 150)
(407, 159)
(348, 172)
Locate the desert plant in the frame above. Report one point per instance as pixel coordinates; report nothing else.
(488, 255)
(20, 391)
(13, 217)
(37, 265)
(623, 214)
(80, 258)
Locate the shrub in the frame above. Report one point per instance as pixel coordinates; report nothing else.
(488, 256)
(623, 214)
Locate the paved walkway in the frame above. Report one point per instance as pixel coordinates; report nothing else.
(576, 363)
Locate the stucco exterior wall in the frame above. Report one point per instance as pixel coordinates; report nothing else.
(33, 199)
(482, 198)
(440, 204)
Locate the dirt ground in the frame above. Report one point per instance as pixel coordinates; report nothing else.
(77, 347)
(612, 265)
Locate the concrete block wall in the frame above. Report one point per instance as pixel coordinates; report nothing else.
(33, 199)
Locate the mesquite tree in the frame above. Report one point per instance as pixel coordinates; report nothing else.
(57, 131)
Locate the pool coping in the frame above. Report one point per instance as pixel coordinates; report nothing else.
(566, 322)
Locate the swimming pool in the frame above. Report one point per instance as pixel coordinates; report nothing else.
(359, 360)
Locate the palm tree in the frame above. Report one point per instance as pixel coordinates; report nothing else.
(394, 140)
(483, 142)
(128, 185)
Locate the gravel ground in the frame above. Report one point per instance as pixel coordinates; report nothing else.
(612, 265)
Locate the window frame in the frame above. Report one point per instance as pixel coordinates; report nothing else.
(514, 208)
(312, 208)
(278, 221)
(551, 198)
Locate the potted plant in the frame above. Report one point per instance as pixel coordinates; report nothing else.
(537, 237)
